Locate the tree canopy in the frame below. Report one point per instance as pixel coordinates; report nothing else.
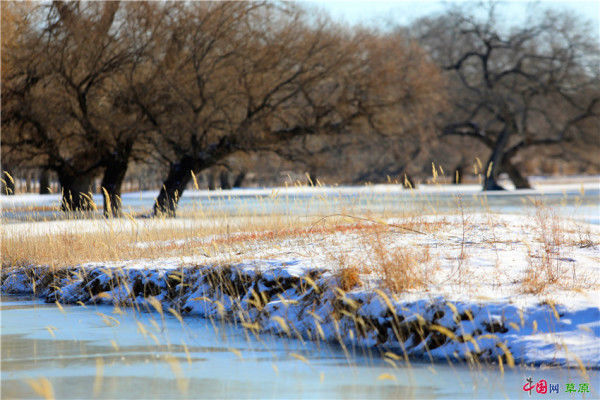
(513, 88)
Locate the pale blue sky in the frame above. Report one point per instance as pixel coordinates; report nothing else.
(381, 12)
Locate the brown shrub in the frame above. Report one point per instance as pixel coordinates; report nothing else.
(349, 278)
(400, 269)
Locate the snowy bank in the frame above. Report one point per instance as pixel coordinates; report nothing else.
(307, 303)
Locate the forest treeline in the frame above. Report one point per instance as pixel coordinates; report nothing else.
(90, 89)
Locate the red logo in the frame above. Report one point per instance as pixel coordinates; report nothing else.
(541, 387)
(528, 387)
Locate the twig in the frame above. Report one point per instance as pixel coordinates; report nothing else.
(365, 219)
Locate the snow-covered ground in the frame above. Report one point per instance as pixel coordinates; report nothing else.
(472, 297)
(542, 185)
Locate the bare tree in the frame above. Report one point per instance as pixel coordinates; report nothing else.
(189, 95)
(235, 77)
(383, 100)
(127, 129)
(37, 125)
(92, 86)
(62, 101)
(514, 88)
(14, 22)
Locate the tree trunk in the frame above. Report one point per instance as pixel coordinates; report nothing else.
(28, 188)
(44, 179)
(493, 166)
(520, 181)
(491, 179)
(312, 177)
(112, 180)
(8, 182)
(224, 178)
(211, 181)
(458, 175)
(239, 179)
(180, 174)
(76, 191)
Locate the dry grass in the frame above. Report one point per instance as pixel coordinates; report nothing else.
(201, 235)
(584, 238)
(544, 257)
(354, 243)
(119, 240)
(349, 278)
(400, 269)
(376, 253)
(548, 263)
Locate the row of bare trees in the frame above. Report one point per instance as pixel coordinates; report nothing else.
(90, 87)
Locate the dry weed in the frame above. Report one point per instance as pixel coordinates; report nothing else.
(349, 278)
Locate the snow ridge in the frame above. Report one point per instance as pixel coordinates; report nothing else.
(296, 299)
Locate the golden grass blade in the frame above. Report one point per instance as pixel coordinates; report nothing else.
(42, 387)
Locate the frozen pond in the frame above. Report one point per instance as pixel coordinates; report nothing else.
(572, 200)
(92, 351)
